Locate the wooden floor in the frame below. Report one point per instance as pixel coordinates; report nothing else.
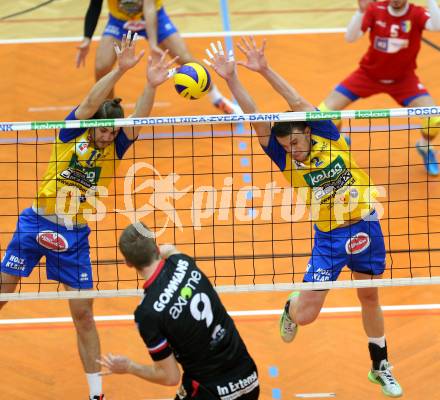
(39, 82)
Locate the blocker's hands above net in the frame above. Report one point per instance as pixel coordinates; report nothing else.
(256, 60)
(222, 64)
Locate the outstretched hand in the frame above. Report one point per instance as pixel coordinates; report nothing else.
(114, 364)
(222, 64)
(256, 61)
(158, 72)
(126, 54)
(83, 50)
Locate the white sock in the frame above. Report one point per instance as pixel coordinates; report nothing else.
(380, 341)
(214, 94)
(95, 384)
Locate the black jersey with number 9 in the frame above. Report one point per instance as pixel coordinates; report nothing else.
(181, 313)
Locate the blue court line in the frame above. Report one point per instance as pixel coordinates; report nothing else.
(276, 394)
(273, 371)
(252, 212)
(247, 178)
(244, 162)
(224, 6)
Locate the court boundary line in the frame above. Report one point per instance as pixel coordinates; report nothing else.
(242, 313)
(190, 35)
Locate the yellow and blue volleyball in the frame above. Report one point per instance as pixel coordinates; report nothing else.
(192, 81)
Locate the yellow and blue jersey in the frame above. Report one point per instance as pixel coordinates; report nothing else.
(329, 181)
(126, 10)
(76, 165)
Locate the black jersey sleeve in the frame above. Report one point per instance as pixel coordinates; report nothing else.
(157, 344)
(92, 17)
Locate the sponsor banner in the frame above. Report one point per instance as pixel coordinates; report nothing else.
(361, 114)
(423, 111)
(48, 125)
(315, 115)
(6, 128)
(96, 123)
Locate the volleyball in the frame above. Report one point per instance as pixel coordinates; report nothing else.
(192, 81)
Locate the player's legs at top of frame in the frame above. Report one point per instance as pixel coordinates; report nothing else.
(149, 19)
(390, 62)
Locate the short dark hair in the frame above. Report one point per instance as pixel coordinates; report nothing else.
(138, 246)
(285, 128)
(110, 109)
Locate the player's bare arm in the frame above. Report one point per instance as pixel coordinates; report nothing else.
(433, 23)
(256, 61)
(127, 59)
(354, 31)
(164, 372)
(225, 67)
(157, 73)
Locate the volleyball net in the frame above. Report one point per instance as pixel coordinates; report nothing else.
(204, 184)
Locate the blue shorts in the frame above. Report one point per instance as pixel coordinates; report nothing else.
(360, 247)
(67, 252)
(117, 28)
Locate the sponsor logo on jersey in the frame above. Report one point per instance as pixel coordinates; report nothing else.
(357, 243)
(317, 162)
(82, 147)
(52, 240)
(235, 389)
(382, 24)
(185, 294)
(130, 7)
(168, 293)
(329, 173)
(405, 26)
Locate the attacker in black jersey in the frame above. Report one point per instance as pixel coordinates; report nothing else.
(182, 320)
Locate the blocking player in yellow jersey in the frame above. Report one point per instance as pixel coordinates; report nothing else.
(149, 19)
(82, 160)
(314, 157)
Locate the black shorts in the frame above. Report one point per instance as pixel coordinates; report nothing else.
(240, 383)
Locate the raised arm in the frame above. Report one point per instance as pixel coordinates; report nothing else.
(150, 16)
(127, 59)
(225, 67)
(157, 73)
(90, 22)
(433, 23)
(256, 61)
(354, 28)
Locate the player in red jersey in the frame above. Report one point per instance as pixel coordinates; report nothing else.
(395, 28)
